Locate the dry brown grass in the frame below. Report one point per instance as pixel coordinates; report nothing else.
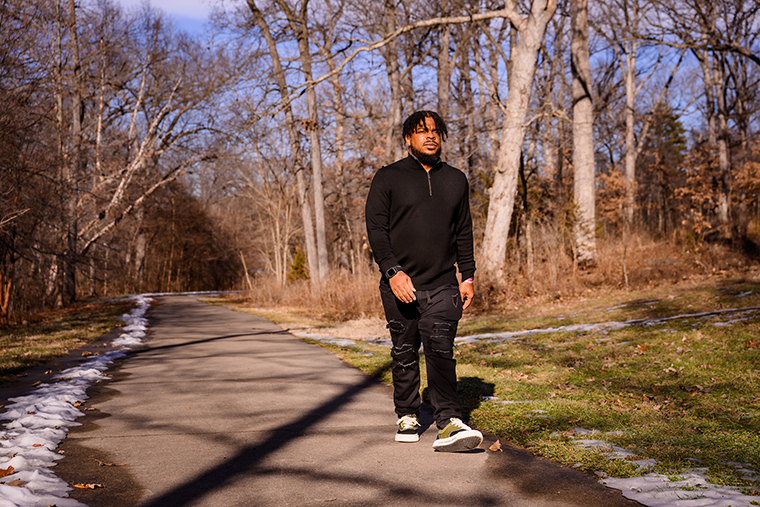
(344, 298)
(645, 262)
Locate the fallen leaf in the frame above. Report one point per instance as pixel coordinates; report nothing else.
(642, 348)
(4, 472)
(86, 353)
(37, 445)
(18, 483)
(89, 408)
(496, 446)
(104, 464)
(89, 486)
(31, 412)
(48, 372)
(752, 344)
(38, 383)
(77, 403)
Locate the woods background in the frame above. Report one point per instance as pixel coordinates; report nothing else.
(605, 142)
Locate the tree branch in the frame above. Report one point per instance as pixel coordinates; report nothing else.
(508, 12)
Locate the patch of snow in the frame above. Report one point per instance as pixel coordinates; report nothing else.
(611, 451)
(40, 420)
(601, 326)
(688, 489)
(691, 489)
(340, 342)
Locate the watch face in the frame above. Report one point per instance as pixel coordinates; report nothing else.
(391, 271)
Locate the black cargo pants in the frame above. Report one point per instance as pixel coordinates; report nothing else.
(431, 321)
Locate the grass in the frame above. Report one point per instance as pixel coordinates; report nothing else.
(55, 334)
(685, 392)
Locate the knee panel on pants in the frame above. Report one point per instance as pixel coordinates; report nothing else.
(442, 340)
(404, 354)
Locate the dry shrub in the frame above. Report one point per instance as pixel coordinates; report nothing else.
(343, 298)
(644, 261)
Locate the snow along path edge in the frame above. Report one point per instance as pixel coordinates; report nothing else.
(40, 420)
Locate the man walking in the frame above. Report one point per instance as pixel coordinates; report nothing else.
(419, 227)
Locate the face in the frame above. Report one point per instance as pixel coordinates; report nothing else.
(425, 141)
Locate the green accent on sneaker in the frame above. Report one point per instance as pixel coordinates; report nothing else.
(407, 429)
(457, 436)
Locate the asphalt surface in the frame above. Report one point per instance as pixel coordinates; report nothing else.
(221, 408)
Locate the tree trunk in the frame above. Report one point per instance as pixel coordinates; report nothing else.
(445, 65)
(140, 250)
(345, 240)
(299, 26)
(502, 193)
(393, 139)
(717, 126)
(630, 134)
(583, 134)
(295, 146)
(73, 162)
(469, 144)
(724, 164)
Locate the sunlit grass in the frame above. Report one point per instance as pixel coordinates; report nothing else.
(56, 333)
(685, 392)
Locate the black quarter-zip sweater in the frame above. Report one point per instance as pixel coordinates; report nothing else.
(421, 221)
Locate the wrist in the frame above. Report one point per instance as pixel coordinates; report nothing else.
(392, 271)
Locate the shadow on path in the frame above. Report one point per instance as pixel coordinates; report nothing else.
(248, 460)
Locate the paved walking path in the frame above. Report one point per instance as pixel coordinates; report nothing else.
(226, 409)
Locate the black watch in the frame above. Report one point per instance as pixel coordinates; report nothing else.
(391, 272)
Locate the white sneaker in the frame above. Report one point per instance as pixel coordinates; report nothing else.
(457, 436)
(407, 429)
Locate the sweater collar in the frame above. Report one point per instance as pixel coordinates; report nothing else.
(415, 160)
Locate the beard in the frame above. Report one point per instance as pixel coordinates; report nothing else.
(425, 158)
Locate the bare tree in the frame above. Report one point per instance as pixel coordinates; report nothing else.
(295, 145)
(531, 30)
(393, 148)
(714, 32)
(271, 192)
(298, 19)
(624, 25)
(583, 134)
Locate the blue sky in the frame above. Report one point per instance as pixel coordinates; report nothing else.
(189, 14)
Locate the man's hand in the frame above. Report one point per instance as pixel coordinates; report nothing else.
(467, 292)
(402, 287)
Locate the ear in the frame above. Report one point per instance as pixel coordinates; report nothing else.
(407, 141)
